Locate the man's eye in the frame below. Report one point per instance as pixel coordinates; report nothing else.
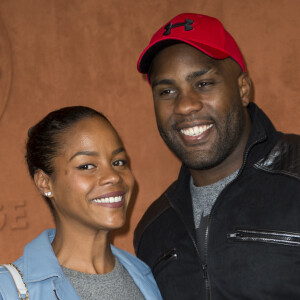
(119, 163)
(167, 92)
(86, 167)
(204, 83)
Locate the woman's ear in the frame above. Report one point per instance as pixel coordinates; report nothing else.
(245, 87)
(42, 182)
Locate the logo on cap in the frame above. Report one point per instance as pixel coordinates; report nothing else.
(187, 26)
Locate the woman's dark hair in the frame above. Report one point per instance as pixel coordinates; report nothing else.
(43, 138)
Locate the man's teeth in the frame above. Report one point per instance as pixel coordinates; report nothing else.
(108, 199)
(196, 130)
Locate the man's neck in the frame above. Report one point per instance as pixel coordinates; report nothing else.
(210, 176)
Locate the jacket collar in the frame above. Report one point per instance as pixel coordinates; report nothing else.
(140, 273)
(263, 135)
(40, 261)
(180, 198)
(130, 262)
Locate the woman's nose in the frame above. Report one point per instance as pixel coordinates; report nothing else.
(109, 176)
(187, 103)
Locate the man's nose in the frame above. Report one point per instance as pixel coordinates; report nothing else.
(187, 103)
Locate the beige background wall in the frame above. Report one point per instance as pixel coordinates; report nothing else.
(55, 53)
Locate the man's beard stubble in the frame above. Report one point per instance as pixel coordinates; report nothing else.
(229, 133)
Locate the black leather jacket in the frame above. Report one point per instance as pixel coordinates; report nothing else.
(253, 239)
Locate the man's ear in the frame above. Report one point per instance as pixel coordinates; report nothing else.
(245, 87)
(43, 183)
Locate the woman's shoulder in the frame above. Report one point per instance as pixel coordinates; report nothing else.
(7, 286)
(5, 275)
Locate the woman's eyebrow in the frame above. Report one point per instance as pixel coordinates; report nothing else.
(88, 153)
(121, 149)
(94, 153)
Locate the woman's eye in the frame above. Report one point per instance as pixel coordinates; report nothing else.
(119, 163)
(86, 167)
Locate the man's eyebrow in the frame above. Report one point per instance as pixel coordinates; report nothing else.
(197, 73)
(163, 81)
(188, 78)
(88, 153)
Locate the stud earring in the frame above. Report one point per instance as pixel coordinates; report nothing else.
(47, 194)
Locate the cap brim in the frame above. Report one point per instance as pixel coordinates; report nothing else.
(149, 53)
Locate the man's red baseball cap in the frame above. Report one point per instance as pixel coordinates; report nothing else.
(202, 32)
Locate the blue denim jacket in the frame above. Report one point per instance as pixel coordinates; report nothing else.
(45, 279)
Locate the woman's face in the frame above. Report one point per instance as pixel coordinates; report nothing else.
(92, 184)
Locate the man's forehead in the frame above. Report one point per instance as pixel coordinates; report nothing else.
(182, 54)
(199, 62)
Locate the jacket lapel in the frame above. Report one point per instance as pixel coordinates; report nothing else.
(181, 200)
(140, 273)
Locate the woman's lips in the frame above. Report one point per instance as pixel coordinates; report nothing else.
(111, 200)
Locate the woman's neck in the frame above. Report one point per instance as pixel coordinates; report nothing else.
(84, 250)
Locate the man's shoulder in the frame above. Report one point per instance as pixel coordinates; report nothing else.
(284, 157)
(155, 210)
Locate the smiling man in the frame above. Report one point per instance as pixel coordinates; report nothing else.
(229, 227)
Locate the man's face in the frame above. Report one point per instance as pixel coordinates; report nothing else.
(200, 113)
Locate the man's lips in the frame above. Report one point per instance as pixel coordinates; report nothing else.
(113, 200)
(195, 131)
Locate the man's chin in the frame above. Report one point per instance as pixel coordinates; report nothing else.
(196, 161)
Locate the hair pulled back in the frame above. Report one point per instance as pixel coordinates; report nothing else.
(43, 141)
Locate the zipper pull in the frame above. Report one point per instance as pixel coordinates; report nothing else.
(204, 268)
(234, 235)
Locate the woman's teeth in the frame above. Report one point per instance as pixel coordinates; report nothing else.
(108, 199)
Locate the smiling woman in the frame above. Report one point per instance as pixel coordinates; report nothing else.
(79, 164)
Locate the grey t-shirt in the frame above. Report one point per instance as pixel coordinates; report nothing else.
(115, 285)
(203, 199)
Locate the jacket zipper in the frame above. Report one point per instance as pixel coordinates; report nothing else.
(265, 236)
(204, 265)
(166, 257)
